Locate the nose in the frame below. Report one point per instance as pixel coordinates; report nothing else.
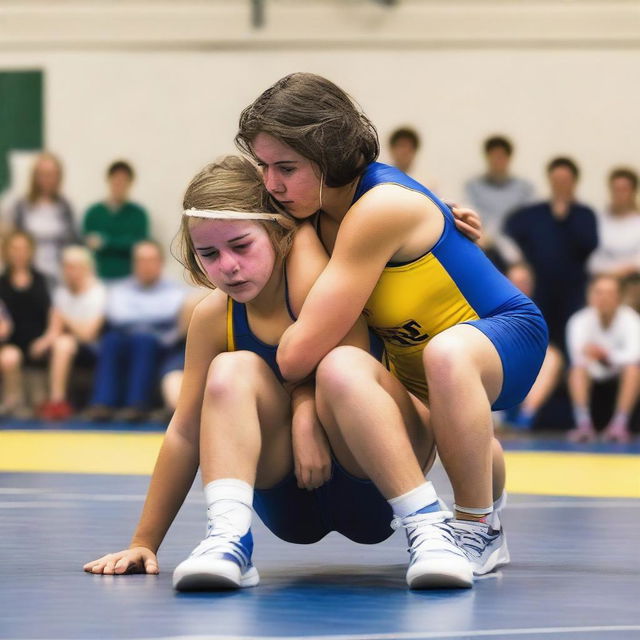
(228, 263)
(272, 182)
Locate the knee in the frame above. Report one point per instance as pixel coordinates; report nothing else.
(10, 358)
(232, 373)
(447, 362)
(65, 344)
(341, 370)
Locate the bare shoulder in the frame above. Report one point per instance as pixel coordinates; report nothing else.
(306, 239)
(208, 322)
(388, 203)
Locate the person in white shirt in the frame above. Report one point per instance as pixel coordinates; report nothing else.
(77, 317)
(618, 250)
(603, 341)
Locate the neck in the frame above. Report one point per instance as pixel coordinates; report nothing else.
(622, 209)
(115, 203)
(263, 303)
(337, 201)
(606, 318)
(498, 176)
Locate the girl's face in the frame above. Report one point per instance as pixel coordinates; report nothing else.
(237, 256)
(47, 177)
(19, 252)
(290, 178)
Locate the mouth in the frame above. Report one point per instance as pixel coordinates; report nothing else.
(236, 285)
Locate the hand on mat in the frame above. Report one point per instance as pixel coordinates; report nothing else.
(311, 456)
(135, 560)
(467, 221)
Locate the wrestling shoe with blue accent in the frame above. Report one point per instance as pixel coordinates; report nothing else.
(435, 559)
(484, 543)
(221, 561)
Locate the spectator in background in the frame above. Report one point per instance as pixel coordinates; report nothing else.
(78, 314)
(23, 290)
(604, 350)
(403, 147)
(113, 227)
(556, 238)
(523, 415)
(618, 251)
(46, 215)
(494, 195)
(143, 332)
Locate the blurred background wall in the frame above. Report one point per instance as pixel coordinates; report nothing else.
(161, 83)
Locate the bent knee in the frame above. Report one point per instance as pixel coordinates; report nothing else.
(343, 367)
(10, 357)
(233, 371)
(65, 343)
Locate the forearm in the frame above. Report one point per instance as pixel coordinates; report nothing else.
(172, 478)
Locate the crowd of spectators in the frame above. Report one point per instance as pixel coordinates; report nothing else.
(89, 322)
(581, 265)
(85, 304)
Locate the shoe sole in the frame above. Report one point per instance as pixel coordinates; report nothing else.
(499, 558)
(212, 576)
(433, 574)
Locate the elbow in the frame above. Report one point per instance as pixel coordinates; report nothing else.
(292, 364)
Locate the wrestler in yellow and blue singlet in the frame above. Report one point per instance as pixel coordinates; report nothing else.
(452, 283)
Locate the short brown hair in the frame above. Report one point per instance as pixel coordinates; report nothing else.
(318, 120)
(627, 174)
(232, 184)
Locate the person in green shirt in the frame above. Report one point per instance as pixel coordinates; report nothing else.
(112, 227)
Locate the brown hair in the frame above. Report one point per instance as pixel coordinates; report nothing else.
(318, 120)
(231, 184)
(627, 174)
(34, 193)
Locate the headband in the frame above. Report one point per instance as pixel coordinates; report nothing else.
(214, 214)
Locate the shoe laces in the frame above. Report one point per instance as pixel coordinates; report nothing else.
(473, 536)
(218, 540)
(428, 530)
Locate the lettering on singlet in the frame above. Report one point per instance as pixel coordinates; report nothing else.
(407, 334)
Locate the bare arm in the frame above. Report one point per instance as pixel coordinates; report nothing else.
(178, 460)
(376, 230)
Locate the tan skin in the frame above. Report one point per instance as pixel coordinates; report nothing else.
(388, 223)
(252, 429)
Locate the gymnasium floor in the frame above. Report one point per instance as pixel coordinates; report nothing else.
(69, 495)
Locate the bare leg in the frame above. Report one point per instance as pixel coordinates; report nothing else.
(11, 367)
(464, 374)
(246, 423)
(171, 384)
(63, 351)
(375, 427)
(546, 381)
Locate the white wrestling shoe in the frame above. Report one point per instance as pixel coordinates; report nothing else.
(436, 560)
(221, 561)
(484, 543)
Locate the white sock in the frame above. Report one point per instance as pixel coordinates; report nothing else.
(415, 500)
(229, 503)
(501, 502)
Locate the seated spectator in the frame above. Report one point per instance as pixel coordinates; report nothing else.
(604, 349)
(142, 333)
(77, 316)
(522, 416)
(111, 228)
(23, 290)
(618, 251)
(556, 238)
(46, 215)
(494, 195)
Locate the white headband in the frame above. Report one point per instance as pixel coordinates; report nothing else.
(212, 214)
